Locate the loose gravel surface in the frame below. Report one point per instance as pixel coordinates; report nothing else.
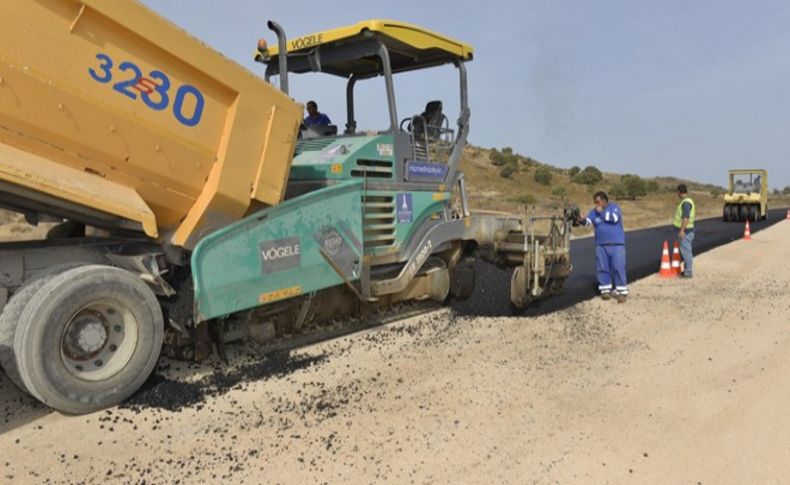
(685, 383)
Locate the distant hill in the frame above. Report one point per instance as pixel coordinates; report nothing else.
(519, 191)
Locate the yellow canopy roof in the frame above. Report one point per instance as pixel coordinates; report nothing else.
(410, 47)
(746, 171)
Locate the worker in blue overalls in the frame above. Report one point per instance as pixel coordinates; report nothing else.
(607, 219)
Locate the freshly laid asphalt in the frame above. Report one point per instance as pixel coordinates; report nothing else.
(643, 257)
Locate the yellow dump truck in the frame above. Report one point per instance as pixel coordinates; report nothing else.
(113, 118)
(747, 196)
(196, 209)
(112, 115)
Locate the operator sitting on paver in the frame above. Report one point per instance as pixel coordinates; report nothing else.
(607, 219)
(314, 118)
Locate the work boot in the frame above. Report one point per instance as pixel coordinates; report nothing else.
(621, 298)
(606, 296)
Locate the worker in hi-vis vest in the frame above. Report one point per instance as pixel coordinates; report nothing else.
(607, 219)
(684, 222)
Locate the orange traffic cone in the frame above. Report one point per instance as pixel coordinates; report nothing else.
(666, 267)
(676, 258)
(747, 233)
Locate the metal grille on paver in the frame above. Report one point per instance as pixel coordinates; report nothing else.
(312, 145)
(379, 169)
(379, 221)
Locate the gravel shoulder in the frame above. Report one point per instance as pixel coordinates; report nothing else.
(685, 383)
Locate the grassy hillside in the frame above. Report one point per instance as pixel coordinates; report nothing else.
(520, 192)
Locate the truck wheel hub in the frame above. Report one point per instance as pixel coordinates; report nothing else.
(92, 337)
(99, 340)
(85, 334)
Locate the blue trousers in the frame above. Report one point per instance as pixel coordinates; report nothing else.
(610, 261)
(685, 252)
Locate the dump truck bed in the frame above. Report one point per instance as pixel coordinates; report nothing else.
(112, 115)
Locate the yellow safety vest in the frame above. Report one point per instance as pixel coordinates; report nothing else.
(679, 214)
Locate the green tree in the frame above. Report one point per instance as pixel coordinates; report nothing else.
(589, 176)
(497, 157)
(508, 169)
(542, 176)
(716, 192)
(573, 171)
(652, 187)
(786, 190)
(559, 191)
(505, 157)
(635, 185)
(630, 186)
(618, 191)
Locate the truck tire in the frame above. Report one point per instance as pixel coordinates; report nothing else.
(8, 320)
(88, 338)
(753, 210)
(10, 316)
(725, 216)
(743, 212)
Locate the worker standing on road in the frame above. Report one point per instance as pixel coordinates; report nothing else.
(684, 222)
(607, 219)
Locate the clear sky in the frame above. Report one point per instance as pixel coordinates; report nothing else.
(684, 88)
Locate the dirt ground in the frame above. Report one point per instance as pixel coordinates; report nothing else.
(685, 383)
